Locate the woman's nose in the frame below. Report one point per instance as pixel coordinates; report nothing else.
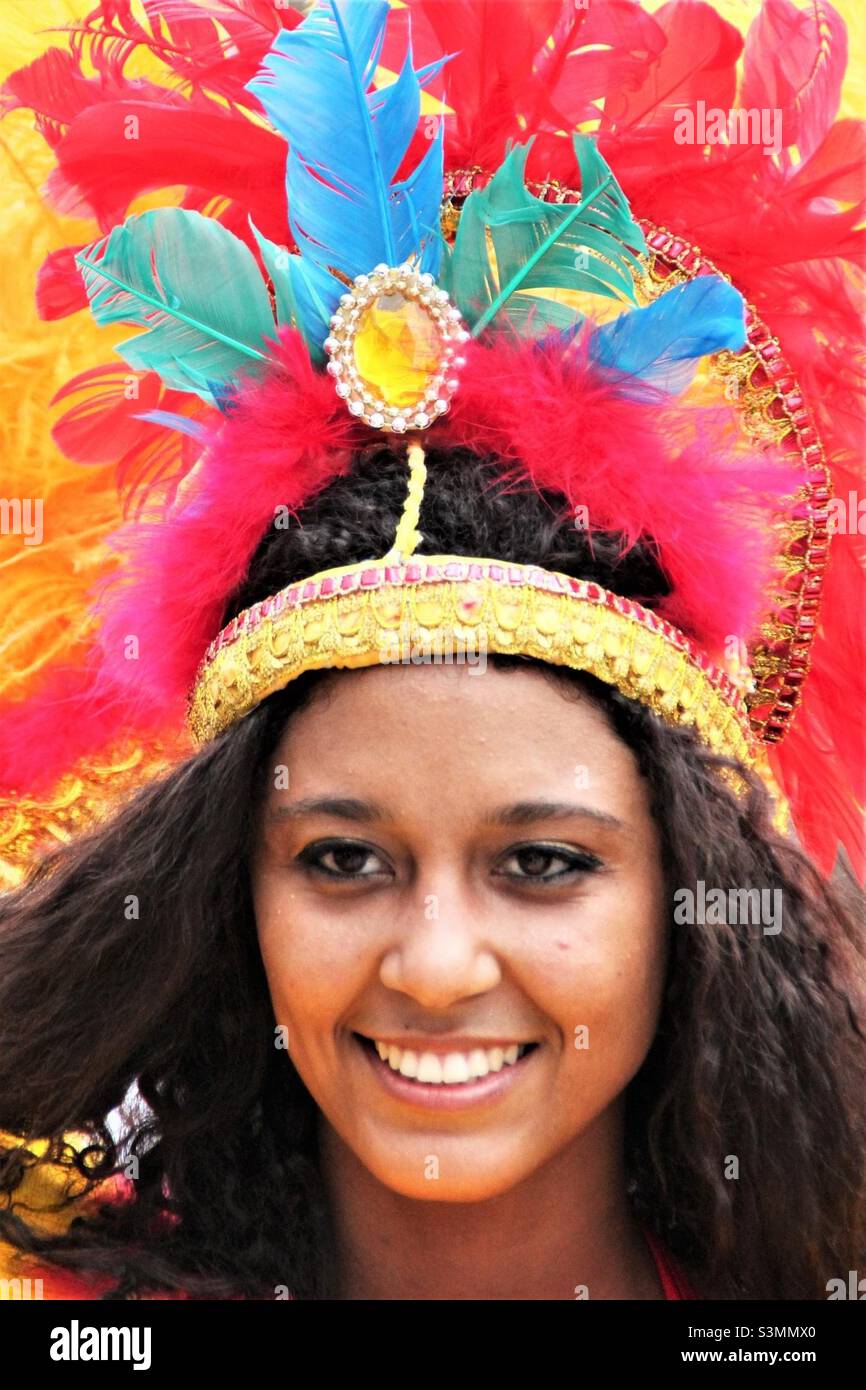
(442, 952)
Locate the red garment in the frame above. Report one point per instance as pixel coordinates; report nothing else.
(62, 1284)
(673, 1283)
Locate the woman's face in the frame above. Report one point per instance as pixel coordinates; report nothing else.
(451, 862)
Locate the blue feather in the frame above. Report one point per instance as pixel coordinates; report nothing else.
(302, 292)
(345, 145)
(663, 343)
(181, 423)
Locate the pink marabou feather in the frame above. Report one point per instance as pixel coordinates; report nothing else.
(645, 467)
(288, 434)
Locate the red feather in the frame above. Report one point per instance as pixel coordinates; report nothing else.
(104, 426)
(59, 287)
(55, 89)
(492, 92)
(186, 36)
(42, 737)
(794, 64)
(114, 152)
(697, 63)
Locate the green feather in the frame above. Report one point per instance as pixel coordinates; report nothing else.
(195, 288)
(531, 316)
(543, 246)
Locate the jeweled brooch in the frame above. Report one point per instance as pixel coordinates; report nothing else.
(394, 348)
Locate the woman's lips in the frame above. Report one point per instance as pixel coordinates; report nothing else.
(460, 1095)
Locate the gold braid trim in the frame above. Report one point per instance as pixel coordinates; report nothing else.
(430, 618)
(407, 535)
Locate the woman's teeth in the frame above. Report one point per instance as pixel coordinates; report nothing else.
(451, 1068)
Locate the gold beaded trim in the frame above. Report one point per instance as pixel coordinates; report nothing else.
(443, 607)
(404, 608)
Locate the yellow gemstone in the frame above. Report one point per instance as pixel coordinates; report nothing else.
(703, 714)
(547, 616)
(281, 640)
(642, 657)
(508, 609)
(215, 689)
(314, 626)
(612, 640)
(230, 673)
(469, 602)
(582, 628)
(689, 691)
(397, 349)
(388, 608)
(668, 670)
(256, 655)
(429, 609)
(347, 617)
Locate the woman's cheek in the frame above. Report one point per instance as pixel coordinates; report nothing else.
(314, 960)
(599, 978)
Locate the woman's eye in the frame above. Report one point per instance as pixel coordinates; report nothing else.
(345, 860)
(341, 859)
(534, 861)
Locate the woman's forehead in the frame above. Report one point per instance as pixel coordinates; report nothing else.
(398, 735)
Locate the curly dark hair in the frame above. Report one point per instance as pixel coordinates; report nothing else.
(760, 1050)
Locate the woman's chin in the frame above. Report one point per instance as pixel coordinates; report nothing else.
(460, 1172)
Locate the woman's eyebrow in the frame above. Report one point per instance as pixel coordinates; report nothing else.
(520, 813)
(524, 812)
(344, 807)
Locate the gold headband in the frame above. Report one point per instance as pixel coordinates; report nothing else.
(378, 611)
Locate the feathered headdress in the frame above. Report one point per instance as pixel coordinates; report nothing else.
(522, 238)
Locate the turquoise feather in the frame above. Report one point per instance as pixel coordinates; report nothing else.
(537, 245)
(197, 289)
(192, 285)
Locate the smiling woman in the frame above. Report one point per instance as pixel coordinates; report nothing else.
(457, 928)
(356, 903)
